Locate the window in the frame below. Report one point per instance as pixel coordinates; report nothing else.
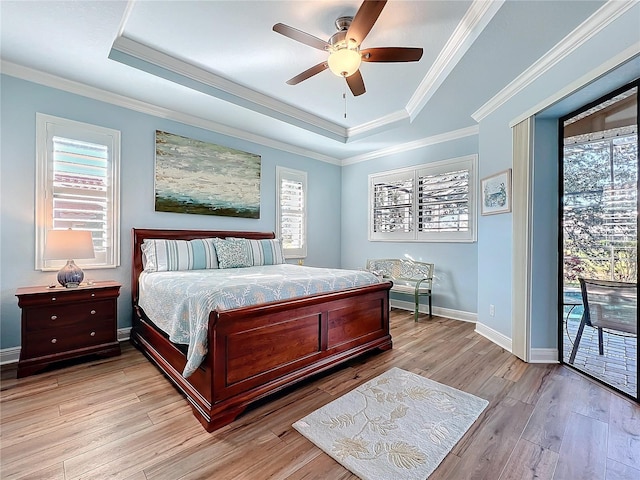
(77, 171)
(291, 211)
(429, 203)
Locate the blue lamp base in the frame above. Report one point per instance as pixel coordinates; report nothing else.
(70, 275)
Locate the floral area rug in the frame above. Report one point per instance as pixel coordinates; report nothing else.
(398, 425)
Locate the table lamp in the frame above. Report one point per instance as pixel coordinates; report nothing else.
(69, 244)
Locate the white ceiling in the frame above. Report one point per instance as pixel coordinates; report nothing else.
(220, 63)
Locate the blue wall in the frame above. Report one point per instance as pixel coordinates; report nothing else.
(469, 276)
(495, 232)
(456, 264)
(20, 100)
(544, 271)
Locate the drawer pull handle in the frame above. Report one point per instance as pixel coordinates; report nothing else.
(93, 294)
(54, 317)
(93, 334)
(53, 299)
(93, 312)
(54, 340)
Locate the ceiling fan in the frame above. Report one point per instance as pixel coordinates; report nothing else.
(344, 50)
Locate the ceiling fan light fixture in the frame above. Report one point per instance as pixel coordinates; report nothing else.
(344, 62)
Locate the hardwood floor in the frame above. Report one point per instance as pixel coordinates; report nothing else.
(119, 418)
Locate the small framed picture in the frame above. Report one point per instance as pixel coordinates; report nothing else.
(496, 193)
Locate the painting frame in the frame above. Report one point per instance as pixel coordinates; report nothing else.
(495, 192)
(194, 176)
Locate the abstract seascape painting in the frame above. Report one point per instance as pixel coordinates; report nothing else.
(203, 178)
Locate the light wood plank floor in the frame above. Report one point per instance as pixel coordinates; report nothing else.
(119, 418)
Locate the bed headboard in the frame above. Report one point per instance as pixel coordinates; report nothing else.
(140, 234)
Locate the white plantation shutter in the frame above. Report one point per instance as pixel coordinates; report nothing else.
(80, 188)
(78, 180)
(393, 205)
(443, 203)
(429, 203)
(292, 212)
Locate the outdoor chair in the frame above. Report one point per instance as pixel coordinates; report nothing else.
(607, 304)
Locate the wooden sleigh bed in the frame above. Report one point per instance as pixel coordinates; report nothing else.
(258, 350)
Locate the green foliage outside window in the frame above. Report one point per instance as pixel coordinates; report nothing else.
(600, 208)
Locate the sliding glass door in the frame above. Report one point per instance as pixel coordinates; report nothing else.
(599, 239)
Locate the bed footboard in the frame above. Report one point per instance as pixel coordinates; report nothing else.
(259, 350)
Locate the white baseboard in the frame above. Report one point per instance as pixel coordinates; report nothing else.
(124, 334)
(493, 335)
(544, 355)
(442, 312)
(12, 355)
(538, 355)
(9, 355)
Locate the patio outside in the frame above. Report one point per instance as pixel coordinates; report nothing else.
(599, 227)
(617, 367)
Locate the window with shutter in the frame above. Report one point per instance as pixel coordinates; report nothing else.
(292, 212)
(77, 167)
(429, 203)
(393, 206)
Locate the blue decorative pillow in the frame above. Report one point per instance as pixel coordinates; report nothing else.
(233, 252)
(161, 255)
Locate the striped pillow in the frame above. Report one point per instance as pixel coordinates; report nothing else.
(266, 252)
(241, 252)
(170, 255)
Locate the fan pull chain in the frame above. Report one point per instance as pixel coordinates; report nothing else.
(344, 95)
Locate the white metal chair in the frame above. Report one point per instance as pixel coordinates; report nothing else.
(408, 277)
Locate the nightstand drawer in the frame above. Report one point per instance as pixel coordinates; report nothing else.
(56, 296)
(63, 315)
(50, 342)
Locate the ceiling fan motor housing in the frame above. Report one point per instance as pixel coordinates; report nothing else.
(338, 40)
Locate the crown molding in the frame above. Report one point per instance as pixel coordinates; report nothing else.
(143, 57)
(606, 14)
(94, 93)
(405, 147)
(146, 58)
(624, 56)
(59, 83)
(468, 30)
(377, 124)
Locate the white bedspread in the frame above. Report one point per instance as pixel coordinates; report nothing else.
(179, 302)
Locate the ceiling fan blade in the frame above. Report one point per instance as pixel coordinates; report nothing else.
(308, 73)
(391, 54)
(364, 19)
(300, 36)
(356, 83)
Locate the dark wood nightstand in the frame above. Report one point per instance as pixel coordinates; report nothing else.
(61, 323)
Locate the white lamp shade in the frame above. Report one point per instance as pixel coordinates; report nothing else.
(68, 244)
(344, 62)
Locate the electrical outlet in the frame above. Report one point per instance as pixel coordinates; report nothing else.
(492, 310)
